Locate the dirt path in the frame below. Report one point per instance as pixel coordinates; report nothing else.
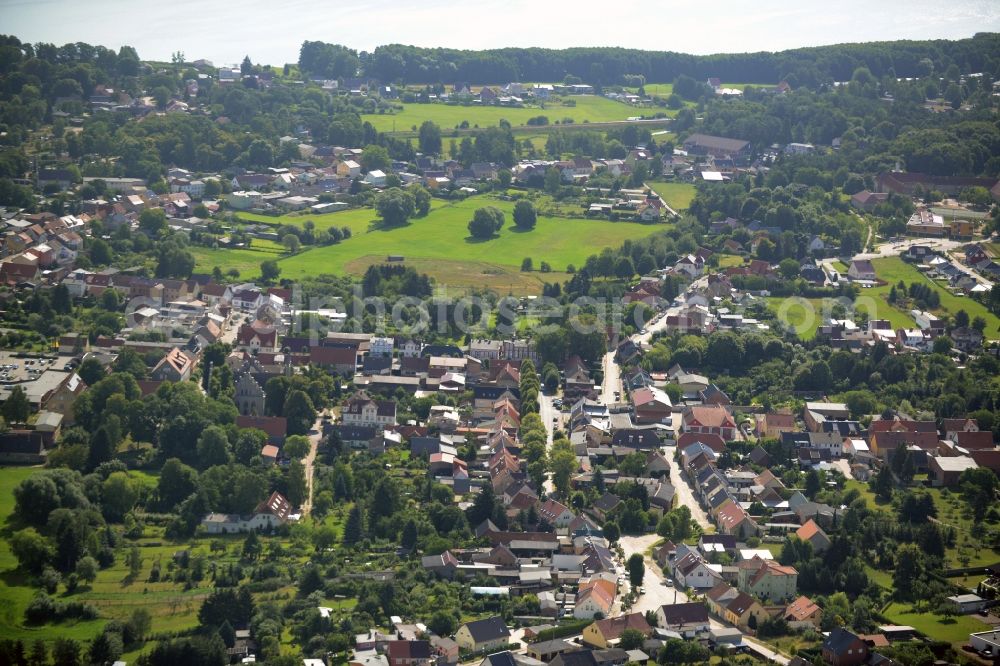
(314, 436)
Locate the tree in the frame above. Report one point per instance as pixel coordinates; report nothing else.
(291, 243)
(16, 408)
(979, 488)
(789, 268)
(395, 206)
(525, 215)
(486, 222)
(631, 639)
(213, 447)
(106, 648)
(430, 138)
(176, 483)
(91, 371)
(102, 448)
(86, 569)
(296, 483)
(909, 570)
(483, 506)
(636, 569)
(527, 265)
(354, 527)
(421, 199)
(153, 221)
(443, 623)
(624, 268)
(300, 412)
(961, 319)
(119, 494)
(563, 464)
(32, 550)
(375, 158)
(269, 270)
(296, 447)
(65, 652)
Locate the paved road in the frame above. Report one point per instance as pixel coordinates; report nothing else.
(656, 593)
(612, 379)
(685, 495)
(551, 418)
(229, 335)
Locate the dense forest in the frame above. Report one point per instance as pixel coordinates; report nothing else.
(608, 66)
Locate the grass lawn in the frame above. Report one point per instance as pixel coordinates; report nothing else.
(677, 195)
(894, 269)
(246, 261)
(840, 266)
(443, 235)
(952, 630)
(728, 260)
(803, 314)
(587, 108)
(993, 249)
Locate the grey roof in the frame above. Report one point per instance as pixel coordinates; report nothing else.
(489, 629)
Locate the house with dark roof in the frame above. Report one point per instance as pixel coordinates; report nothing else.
(844, 648)
(409, 653)
(482, 635)
(717, 146)
(688, 619)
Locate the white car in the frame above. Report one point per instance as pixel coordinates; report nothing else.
(669, 582)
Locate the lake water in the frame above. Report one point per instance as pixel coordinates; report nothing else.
(271, 32)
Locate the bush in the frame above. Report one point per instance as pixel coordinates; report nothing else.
(44, 608)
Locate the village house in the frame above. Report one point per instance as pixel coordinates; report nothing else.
(605, 633)
(766, 579)
(709, 419)
(595, 596)
(688, 619)
(482, 635)
(862, 270)
(269, 514)
(362, 410)
(176, 366)
(844, 648)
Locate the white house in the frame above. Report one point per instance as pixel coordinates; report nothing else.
(381, 346)
(375, 178)
(269, 514)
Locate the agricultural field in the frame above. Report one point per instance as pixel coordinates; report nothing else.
(677, 195)
(894, 269)
(441, 244)
(588, 108)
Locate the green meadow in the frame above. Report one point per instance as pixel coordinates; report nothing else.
(440, 245)
(587, 108)
(894, 269)
(677, 195)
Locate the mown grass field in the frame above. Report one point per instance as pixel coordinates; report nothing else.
(677, 195)
(803, 314)
(440, 244)
(894, 269)
(588, 108)
(954, 630)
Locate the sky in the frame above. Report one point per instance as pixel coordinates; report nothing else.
(272, 31)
